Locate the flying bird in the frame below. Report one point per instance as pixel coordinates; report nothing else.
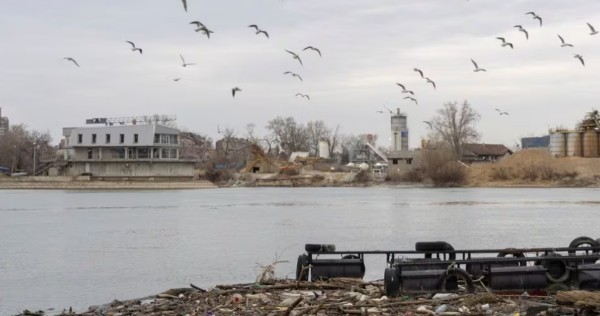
(562, 40)
(133, 48)
(521, 29)
(303, 95)
(295, 56)
(293, 74)
(199, 25)
(258, 30)
(379, 111)
(205, 30)
(430, 81)
(535, 16)
(72, 60)
(592, 29)
(419, 71)
(404, 89)
(504, 42)
(412, 99)
(234, 90)
(184, 64)
(313, 48)
(184, 4)
(477, 69)
(501, 112)
(176, 79)
(580, 58)
(428, 123)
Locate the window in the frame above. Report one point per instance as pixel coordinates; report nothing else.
(93, 138)
(79, 138)
(108, 138)
(143, 153)
(135, 138)
(121, 138)
(90, 153)
(165, 139)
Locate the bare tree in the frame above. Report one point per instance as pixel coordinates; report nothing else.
(454, 125)
(19, 148)
(316, 131)
(334, 140)
(288, 135)
(195, 146)
(263, 143)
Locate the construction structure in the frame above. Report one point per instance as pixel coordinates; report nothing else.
(134, 148)
(584, 141)
(3, 124)
(399, 134)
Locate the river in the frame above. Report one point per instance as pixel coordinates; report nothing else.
(61, 248)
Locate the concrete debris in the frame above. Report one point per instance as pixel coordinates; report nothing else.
(334, 297)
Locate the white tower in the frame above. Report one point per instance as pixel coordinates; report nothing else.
(399, 131)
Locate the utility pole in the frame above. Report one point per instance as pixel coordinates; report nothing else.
(34, 158)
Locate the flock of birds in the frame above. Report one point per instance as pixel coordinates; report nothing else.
(504, 43)
(200, 27)
(410, 95)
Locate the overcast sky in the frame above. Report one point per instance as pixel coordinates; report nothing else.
(367, 46)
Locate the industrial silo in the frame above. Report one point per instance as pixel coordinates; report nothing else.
(558, 144)
(574, 144)
(590, 144)
(324, 148)
(399, 137)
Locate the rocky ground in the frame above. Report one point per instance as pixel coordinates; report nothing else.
(342, 297)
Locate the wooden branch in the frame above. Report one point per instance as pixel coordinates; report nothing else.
(296, 302)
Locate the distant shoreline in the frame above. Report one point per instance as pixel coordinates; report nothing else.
(104, 185)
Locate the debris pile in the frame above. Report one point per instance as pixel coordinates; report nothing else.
(343, 297)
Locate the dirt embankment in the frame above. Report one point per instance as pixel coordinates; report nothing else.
(537, 168)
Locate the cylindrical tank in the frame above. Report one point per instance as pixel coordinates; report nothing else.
(590, 144)
(574, 144)
(558, 144)
(324, 148)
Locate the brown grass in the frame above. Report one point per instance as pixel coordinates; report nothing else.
(534, 166)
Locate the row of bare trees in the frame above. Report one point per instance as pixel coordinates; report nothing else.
(22, 150)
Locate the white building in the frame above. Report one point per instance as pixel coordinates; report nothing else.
(124, 151)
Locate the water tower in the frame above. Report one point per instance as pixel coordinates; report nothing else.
(399, 131)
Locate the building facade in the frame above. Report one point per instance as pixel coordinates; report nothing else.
(3, 124)
(124, 151)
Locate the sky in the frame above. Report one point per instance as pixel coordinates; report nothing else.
(367, 47)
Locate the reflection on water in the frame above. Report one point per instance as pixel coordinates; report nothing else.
(78, 248)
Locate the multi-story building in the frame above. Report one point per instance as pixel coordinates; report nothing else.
(3, 124)
(124, 151)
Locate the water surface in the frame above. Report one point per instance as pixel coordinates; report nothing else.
(79, 248)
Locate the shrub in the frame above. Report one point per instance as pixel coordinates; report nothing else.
(500, 173)
(363, 176)
(219, 175)
(290, 171)
(442, 167)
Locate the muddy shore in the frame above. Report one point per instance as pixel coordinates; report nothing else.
(341, 297)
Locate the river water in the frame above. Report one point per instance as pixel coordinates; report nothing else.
(79, 248)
